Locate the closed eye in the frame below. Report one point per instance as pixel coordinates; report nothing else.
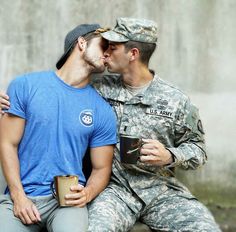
(112, 46)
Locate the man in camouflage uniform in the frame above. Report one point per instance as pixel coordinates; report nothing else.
(148, 107)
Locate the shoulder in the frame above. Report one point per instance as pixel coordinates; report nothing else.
(112, 79)
(106, 83)
(107, 79)
(32, 77)
(39, 76)
(171, 90)
(166, 96)
(27, 84)
(18, 81)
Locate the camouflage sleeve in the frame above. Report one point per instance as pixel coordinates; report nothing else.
(189, 151)
(97, 82)
(105, 84)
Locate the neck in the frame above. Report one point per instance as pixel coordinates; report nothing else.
(75, 73)
(137, 75)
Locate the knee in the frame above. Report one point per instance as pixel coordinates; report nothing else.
(82, 227)
(69, 219)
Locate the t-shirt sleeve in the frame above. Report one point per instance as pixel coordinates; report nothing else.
(16, 92)
(105, 128)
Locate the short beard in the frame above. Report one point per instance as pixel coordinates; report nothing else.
(95, 68)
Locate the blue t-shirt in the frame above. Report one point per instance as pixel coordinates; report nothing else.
(61, 122)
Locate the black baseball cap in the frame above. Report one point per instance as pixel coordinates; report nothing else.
(72, 36)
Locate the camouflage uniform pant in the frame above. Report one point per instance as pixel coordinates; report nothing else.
(117, 209)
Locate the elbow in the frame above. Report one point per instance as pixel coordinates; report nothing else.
(195, 162)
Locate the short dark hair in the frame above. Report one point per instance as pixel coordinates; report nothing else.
(146, 49)
(87, 37)
(91, 36)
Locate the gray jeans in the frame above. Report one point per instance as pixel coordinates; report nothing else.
(56, 219)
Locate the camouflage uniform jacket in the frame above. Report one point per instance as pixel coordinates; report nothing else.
(164, 113)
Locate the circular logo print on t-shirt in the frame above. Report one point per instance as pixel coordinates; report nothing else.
(86, 117)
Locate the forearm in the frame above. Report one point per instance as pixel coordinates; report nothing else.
(188, 155)
(24, 208)
(97, 182)
(101, 159)
(11, 170)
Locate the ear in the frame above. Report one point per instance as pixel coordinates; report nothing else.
(82, 43)
(134, 54)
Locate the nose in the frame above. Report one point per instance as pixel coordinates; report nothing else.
(106, 53)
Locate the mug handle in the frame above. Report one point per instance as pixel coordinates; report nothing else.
(141, 143)
(52, 187)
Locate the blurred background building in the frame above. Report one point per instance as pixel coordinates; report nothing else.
(196, 51)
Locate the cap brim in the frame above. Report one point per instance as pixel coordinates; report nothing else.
(63, 58)
(114, 37)
(62, 61)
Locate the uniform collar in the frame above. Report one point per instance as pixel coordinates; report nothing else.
(145, 98)
(120, 93)
(151, 92)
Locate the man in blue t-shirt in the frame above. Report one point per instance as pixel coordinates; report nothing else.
(54, 117)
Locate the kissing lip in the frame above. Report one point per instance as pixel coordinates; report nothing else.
(106, 63)
(106, 59)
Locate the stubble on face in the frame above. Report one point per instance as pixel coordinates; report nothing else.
(117, 58)
(94, 55)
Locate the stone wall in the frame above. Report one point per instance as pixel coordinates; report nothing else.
(196, 51)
